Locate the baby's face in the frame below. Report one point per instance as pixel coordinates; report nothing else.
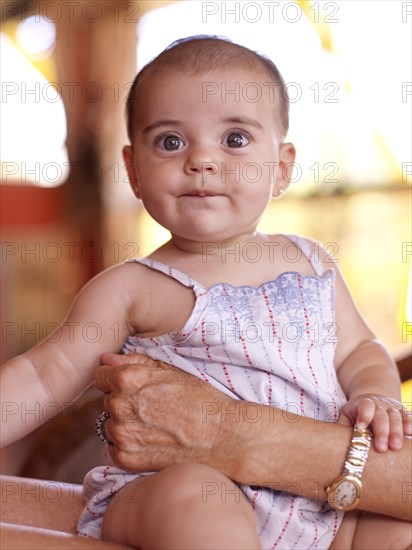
(206, 152)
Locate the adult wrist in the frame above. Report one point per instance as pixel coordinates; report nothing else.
(345, 492)
(289, 452)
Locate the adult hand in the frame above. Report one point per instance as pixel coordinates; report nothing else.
(160, 415)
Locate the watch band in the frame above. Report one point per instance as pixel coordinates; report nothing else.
(357, 453)
(345, 492)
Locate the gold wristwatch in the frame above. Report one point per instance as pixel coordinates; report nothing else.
(345, 492)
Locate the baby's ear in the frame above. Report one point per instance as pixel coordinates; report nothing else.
(131, 169)
(287, 156)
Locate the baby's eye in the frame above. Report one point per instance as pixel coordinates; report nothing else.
(170, 142)
(235, 139)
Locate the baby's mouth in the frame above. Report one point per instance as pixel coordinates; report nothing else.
(200, 194)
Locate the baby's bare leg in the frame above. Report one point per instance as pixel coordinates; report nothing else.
(366, 531)
(184, 506)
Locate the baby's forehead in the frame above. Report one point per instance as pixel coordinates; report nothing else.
(236, 83)
(152, 77)
(231, 86)
(219, 67)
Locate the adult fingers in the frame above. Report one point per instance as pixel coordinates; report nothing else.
(126, 372)
(103, 378)
(117, 359)
(122, 378)
(140, 459)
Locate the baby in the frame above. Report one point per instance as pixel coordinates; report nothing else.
(262, 331)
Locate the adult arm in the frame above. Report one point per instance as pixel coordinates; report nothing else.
(161, 416)
(21, 537)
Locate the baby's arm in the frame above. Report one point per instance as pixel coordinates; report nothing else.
(60, 368)
(368, 376)
(374, 398)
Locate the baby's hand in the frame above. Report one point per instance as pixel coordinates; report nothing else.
(387, 418)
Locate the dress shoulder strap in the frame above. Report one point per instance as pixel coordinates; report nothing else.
(182, 278)
(310, 249)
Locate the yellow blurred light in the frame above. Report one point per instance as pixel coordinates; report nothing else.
(36, 36)
(349, 100)
(33, 123)
(407, 394)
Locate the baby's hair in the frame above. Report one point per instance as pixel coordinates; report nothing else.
(203, 53)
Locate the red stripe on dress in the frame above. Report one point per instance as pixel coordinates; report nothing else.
(204, 341)
(285, 526)
(273, 326)
(301, 396)
(201, 373)
(305, 313)
(240, 336)
(336, 517)
(254, 498)
(229, 381)
(270, 389)
(335, 523)
(315, 536)
(185, 334)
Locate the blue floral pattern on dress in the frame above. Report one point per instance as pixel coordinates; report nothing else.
(291, 295)
(296, 294)
(231, 301)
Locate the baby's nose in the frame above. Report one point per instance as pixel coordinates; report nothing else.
(210, 167)
(201, 161)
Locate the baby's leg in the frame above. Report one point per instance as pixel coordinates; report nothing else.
(366, 531)
(187, 506)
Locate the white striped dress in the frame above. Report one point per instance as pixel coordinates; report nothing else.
(273, 344)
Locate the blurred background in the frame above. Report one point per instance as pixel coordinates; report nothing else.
(66, 208)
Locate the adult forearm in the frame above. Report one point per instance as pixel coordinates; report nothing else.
(300, 455)
(22, 537)
(161, 416)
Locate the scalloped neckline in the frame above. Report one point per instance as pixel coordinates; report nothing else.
(326, 274)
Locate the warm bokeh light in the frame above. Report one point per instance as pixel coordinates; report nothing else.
(33, 123)
(341, 76)
(36, 36)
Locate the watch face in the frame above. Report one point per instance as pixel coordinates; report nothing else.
(345, 494)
